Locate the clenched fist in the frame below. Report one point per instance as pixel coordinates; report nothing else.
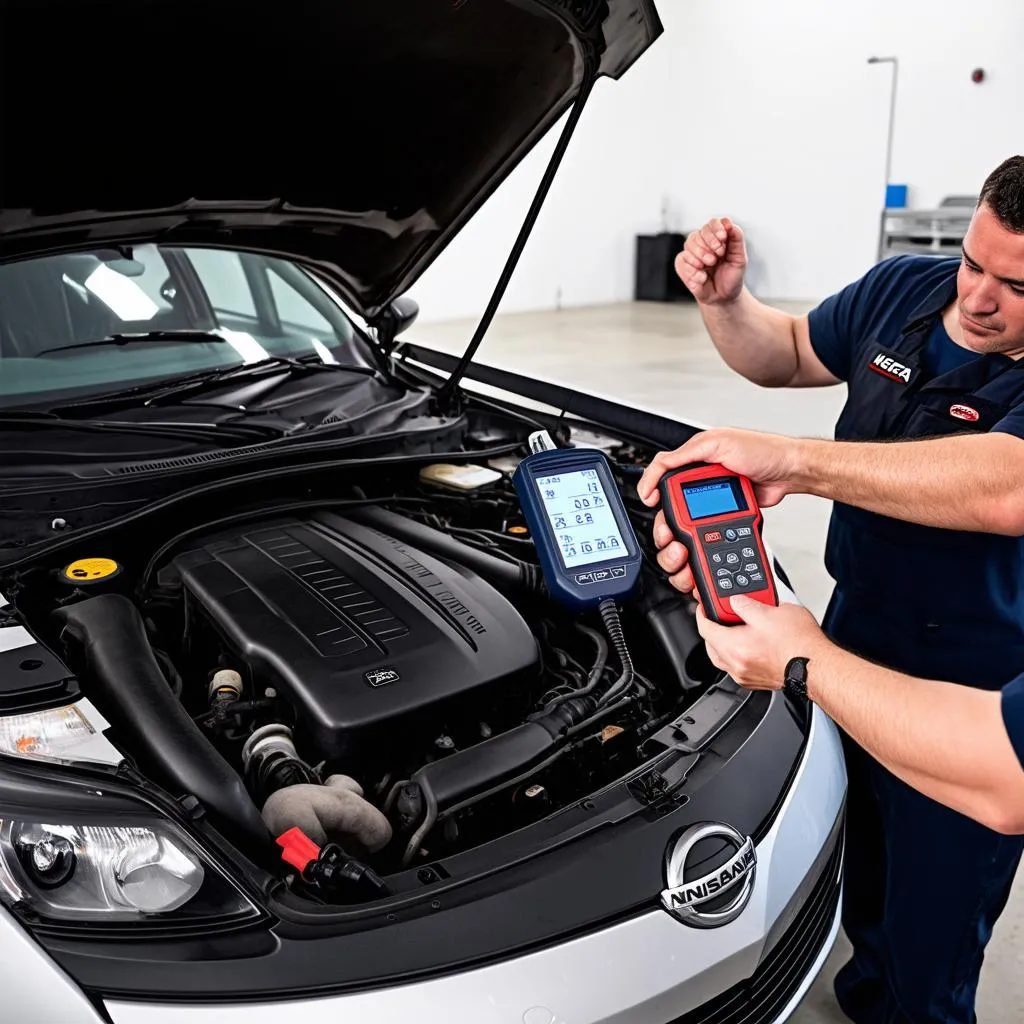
(713, 262)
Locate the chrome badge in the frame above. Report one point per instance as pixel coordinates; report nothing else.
(727, 886)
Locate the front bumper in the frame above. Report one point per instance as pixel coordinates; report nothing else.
(650, 969)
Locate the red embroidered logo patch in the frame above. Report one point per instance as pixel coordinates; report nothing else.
(964, 412)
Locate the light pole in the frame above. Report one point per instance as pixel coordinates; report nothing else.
(895, 62)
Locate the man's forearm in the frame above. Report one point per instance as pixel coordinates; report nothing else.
(947, 741)
(756, 341)
(959, 483)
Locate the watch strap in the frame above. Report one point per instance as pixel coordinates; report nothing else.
(794, 681)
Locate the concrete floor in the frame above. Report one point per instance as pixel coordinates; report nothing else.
(660, 357)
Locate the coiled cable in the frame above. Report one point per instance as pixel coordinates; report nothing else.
(613, 627)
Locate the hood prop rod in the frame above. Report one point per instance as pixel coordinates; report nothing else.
(446, 395)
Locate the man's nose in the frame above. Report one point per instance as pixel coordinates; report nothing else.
(983, 299)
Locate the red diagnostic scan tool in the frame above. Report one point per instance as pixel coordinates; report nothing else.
(715, 514)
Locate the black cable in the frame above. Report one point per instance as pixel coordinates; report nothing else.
(421, 833)
(468, 536)
(595, 673)
(389, 801)
(602, 712)
(507, 538)
(613, 627)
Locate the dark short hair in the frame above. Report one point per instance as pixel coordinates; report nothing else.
(1003, 193)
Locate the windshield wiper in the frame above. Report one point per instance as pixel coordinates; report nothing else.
(156, 392)
(231, 373)
(218, 432)
(184, 337)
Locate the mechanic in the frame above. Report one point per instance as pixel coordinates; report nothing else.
(924, 544)
(903, 722)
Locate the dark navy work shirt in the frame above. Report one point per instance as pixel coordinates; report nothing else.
(946, 604)
(942, 353)
(1013, 714)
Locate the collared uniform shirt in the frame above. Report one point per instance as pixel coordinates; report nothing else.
(947, 604)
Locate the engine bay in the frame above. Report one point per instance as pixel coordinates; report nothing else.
(366, 639)
(372, 672)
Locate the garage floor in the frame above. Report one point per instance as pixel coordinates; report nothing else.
(659, 357)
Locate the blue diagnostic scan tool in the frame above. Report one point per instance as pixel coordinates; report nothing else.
(586, 545)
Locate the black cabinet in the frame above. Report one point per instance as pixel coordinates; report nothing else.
(656, 278)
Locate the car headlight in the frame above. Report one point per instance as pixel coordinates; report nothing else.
(70, 734)
(71, 870)
(74, 855)
(77, 871)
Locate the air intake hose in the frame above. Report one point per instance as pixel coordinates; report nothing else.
(106, 641)
(670, 620)
(336, 811)
(494, 762)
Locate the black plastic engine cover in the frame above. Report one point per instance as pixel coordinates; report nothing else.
(358, 631)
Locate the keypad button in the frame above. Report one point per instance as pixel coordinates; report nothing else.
(742, 580)
(748, 552)
(732, 558)
(757, 576)
(725, 584)
(723, 573)
(716, 558)
(730, 534)
(750, 567)
(744, 531)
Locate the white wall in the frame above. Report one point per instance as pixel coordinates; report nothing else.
(610, 186)
(765, 111)
(786, 131)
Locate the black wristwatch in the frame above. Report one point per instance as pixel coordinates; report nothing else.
(795, 681)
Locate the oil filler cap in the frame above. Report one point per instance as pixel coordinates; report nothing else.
(86, 571)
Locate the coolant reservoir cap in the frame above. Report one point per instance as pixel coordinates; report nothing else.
(84, 571)
(466, 477)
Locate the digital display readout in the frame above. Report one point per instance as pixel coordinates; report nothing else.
(710, 499)
(583, 523)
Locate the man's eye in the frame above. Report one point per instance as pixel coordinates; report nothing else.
(971, 267)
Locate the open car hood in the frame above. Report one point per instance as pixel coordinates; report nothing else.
(356, 138)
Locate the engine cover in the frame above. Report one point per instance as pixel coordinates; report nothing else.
(360, 632)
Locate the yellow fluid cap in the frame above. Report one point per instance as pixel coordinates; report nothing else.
(90, 570)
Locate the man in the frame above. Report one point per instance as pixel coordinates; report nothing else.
(925, 547)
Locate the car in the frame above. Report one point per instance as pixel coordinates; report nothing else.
(292, 718)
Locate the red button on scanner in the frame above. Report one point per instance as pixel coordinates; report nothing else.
(710, 538)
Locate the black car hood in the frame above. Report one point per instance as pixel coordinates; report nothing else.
(356, 138)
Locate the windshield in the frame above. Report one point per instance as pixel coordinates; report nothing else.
(261, 306)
